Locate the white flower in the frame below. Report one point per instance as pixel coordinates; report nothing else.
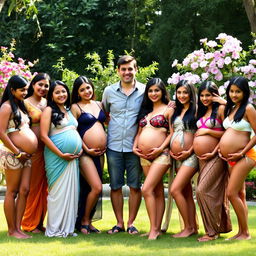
(204, 76)
(211, 44)
(175, 62)
(222, 90)
(203, 64)
(227, 60)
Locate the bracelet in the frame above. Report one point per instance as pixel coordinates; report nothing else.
(18, 155)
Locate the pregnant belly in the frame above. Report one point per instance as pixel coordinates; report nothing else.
(95, 138)
(232, 142)
(177, 147)
(25, 140)
(71, 143)
(204, 144)
(150, 138)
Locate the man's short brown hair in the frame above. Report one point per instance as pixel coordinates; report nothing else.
(126, 59)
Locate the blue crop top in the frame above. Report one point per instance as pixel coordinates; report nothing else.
(242, 125)
(87, 120)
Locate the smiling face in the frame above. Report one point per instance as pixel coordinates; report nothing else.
(20, 93)
(127, 72)
(59, 95)
(85, 91)
(155, 93)
(236, 94)
(206, 98)
(182, 95)
(41, 88)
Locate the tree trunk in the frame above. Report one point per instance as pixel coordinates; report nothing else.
(250, 9)
(1, 4)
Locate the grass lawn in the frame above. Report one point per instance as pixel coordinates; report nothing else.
(124, 244)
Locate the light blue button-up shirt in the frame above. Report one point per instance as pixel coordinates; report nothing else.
(123, 112)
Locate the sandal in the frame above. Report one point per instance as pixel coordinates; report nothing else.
(115, 229)
(87, 228)
(94, 230)
(132, 230)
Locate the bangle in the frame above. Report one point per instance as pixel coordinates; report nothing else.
(18, 155)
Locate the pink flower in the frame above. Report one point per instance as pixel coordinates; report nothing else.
(209, 55)
(252, 84)
(212, 64)
(235, 55)
(185, 61)
(194, 65)
(214, 70)
(204, 40)
(174, 79)
(222, 36)
(253, 62)
(218, 76)
(20, 60)
(204, 76)
(222, 90)
(220, 62)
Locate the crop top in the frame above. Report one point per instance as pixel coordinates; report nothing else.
(208, 123)
(87, 120)
(157, 121)
(24, 123)
(34, 113)
(242, 125)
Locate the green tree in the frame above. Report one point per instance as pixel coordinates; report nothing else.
(182, 23)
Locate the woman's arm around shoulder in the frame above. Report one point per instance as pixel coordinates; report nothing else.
(75, 110)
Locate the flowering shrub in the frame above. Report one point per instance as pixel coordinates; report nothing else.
(9, 67)
(217, 61)
(250, 190)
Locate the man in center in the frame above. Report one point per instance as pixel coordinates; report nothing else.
(122, 102)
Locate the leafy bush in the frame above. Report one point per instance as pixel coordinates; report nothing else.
(250, 185)
(100, 74)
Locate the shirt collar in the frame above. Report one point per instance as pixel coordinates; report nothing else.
(118, 86)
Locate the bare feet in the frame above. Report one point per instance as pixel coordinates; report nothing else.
(153, 235)
(18, 235)
(207, 238)
(185, 233)
(145, 234)
(239, 236)
(36, 231)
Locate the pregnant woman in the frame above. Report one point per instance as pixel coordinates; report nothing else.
(36, 206)
(185, 161)
(90, 117)
(151, 145)
(236, 147)
(19, 143)
(62, 148)
(213, 174)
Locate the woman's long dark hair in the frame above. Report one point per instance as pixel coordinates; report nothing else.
(243, 85)
(147, 105)
(212, 88)
(38, 77)
(189, 118)
(14, 83)
(57, 114)
(77, 83)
